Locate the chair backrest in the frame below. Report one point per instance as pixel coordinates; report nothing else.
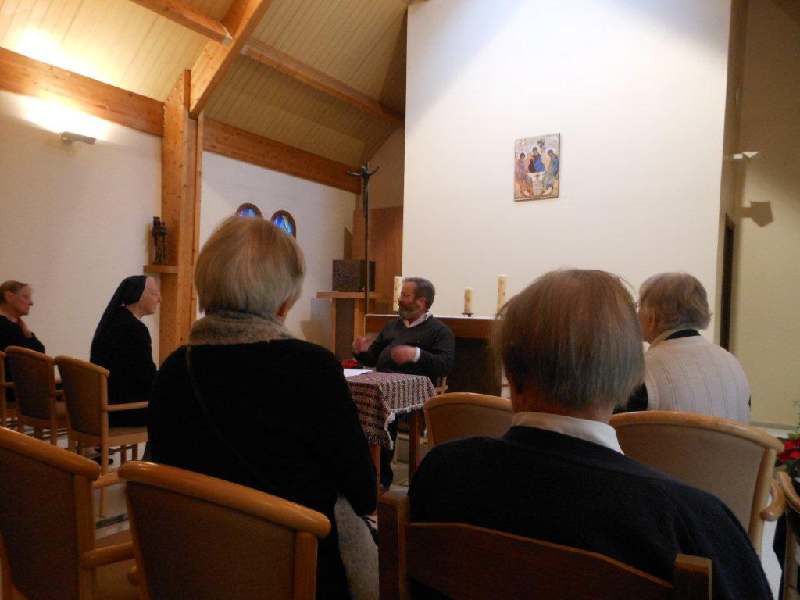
(463, 561)
(731, 460)
(3, 394)
(46, 520)
(198, 537)
(463, 414)
(85, 387)
(34, 381)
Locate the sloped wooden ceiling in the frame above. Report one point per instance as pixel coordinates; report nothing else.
(358, 43)
(113, 41)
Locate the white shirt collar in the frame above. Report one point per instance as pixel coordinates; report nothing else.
(422, 318)
(584, 429)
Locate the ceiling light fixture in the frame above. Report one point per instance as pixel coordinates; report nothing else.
(68, 137)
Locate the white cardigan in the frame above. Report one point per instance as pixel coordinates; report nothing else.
(691, 374)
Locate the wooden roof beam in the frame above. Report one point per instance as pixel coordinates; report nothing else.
(182, 13)
(285, 64)
(229, 141)
(214, 61)
(23, 75)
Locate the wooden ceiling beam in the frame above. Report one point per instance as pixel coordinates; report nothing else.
(182, 13)
(215, 59)
(22, 75)
(298, 71)
(254, 149)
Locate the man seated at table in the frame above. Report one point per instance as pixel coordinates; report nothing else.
(417, 343)
(570, 345)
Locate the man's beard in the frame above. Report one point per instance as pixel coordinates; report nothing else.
(405, 312)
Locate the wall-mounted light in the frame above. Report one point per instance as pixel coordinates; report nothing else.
(68, 137)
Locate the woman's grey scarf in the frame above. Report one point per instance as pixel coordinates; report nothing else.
(227, 327)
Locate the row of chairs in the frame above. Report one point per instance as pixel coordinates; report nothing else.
(733, 461)
(251, 542)
(253, 545)
(79, 408)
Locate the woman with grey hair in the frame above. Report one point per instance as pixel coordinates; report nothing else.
(247, 402)
(683, 370)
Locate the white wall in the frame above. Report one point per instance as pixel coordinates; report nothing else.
(637, 91)
(73, 218)
(766, 327)
(322, 213)
(386, 187)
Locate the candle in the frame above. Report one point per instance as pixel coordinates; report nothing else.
(398, 288)
(502, 280)
(468, 301)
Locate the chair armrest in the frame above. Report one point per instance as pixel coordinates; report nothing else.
(126, 406)
(106, 480)
(774, 509)
(107, 555)
(393, 509)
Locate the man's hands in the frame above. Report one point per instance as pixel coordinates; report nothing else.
(403, 354)
(361, 344)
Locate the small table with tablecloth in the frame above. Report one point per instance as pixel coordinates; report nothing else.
(379, 398)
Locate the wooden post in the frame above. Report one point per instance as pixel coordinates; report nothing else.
(180, 198)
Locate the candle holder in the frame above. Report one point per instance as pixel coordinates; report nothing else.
(467, 314)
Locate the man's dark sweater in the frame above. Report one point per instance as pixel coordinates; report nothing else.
(432, 337)
(554, 487)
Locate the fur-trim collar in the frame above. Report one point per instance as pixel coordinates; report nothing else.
(225, 328)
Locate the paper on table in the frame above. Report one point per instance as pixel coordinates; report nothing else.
(353, 372)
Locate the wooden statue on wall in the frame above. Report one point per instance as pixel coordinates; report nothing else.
(159, 233)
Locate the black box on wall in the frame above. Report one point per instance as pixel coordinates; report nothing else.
(350, 275)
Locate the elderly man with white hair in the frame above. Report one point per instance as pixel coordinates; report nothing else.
(570, 345)
(683, 370)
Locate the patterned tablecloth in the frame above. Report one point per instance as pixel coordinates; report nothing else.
(381, 396)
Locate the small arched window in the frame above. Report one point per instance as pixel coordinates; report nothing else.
(285, 221)
(248, 209)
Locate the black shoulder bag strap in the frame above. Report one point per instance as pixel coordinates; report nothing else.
(254, 472)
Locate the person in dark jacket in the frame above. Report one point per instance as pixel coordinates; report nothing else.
(122, 345)
(416, 343)
(16, 299)
(247, 402)
(570, 346)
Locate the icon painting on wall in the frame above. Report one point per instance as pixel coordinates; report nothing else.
(284, 221)
(536, 167)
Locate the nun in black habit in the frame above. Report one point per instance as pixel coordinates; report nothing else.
(122, 344)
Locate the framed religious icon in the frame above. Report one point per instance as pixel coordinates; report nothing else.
(537, 162)
(283, 220)
(248, 209)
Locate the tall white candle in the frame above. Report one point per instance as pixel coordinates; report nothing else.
(468, 301)
(398, 288)
(502, 281)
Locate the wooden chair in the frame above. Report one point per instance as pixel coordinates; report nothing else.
(462, 414)
(198, 537)
(735, 462)
(792, 505)
(47, 527)
(466, 562)
(85, 387)
(38, 402)
(8, 410)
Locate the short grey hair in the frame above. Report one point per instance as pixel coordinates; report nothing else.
(249, 265)
(12, 286)
(674, 301)
(423, 289)
(572, 337)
